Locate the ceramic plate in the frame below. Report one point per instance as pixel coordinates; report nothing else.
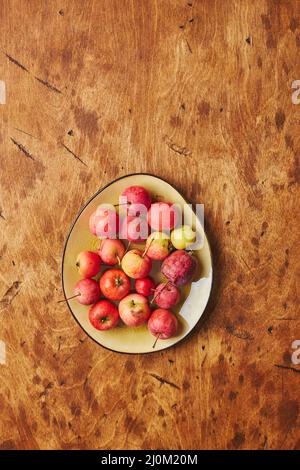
(194, 297)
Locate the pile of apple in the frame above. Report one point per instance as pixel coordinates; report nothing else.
(166, 243)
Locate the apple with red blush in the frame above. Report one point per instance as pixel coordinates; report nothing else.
(137, 200)
(162, 324)
(104, 315)
(87, 291)
(111, 251)
(166, 295)
(136, 265)
(88, 263)
(104, 222)
(114, 284)
(163, 216)
(134, 229)
(158, 246)
(145, 286)
(134, 310)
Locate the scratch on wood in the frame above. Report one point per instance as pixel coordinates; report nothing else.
(189, 46)
(241, 334)
(16, 62)
(48, 85)
(293, 369)
(203, 360)
(74, 154)
(176, 148)
(10, 294)
(164, 381)
(24, 132)
(22, 148)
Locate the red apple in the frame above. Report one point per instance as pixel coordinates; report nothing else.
(88, 290)
(179, 267)
(138, 200)
(104, 315)
(136, 265)
(114, 284)
(104, 222)
(134, 310)
(88, 263)
(144, 286)
(111, 251)
(158, 246)
(163, 216)
(166, 295)
(134, 229)
(162, 324)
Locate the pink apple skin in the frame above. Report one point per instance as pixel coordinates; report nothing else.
(135, 265)
(166, 295)
(179, 267)
(134, 310)
(145, 286)
(111, 251)
(134, 229)
(137, 196)
(89, 291)
(88, 263)
(158, 246)
(162, 216)
(162, 323)
(104, 315)
(104, 223)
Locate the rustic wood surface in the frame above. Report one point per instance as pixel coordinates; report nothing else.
(199, 93)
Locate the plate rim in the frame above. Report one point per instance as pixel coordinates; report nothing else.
(64, 252)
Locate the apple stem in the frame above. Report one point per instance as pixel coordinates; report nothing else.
(157, 338)
(65, 300)
(119, 261)
(128, 246)
(147, 248)
(158, 293)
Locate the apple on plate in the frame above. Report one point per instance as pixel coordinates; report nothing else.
(158, 246)
(162, 324)
(179, 267)
(136, 200)
(88, 263)
(111, 251)
(134, 310)
(166, 295)
(136, 265)
(104, 315)
(104, 222)
(182, 237)
(114, 284)
(134, 229)
(144, 286)
(163, 216)
(87, 291)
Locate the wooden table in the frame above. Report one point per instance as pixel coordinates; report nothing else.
(199, 93)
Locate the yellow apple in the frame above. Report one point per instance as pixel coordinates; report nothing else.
(182, 237)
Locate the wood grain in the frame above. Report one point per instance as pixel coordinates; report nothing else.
(199, 93)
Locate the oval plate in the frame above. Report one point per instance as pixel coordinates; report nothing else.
(194, 297)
